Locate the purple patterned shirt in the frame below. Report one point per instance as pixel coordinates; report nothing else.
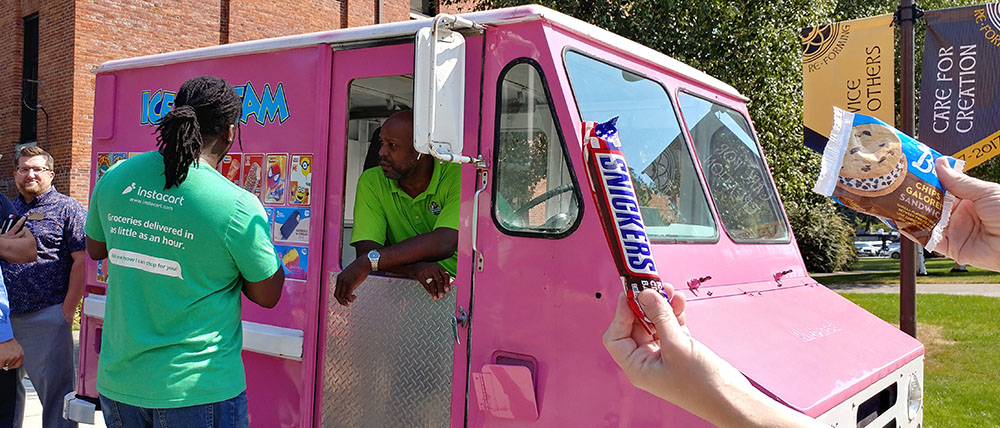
(44, 282)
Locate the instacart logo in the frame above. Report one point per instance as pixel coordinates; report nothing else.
(152, 197)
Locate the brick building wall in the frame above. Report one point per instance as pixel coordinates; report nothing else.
(254, 19)
(55, 69)
(11, 57)
(11, 35)
(77, 36)
(121, 29)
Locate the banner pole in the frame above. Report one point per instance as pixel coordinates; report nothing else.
(908, 250)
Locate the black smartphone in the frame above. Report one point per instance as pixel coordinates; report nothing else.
(289, 226)
(9, 222)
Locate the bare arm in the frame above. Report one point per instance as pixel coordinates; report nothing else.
(20, 246)
(75, 291)
(267, 292)
(436, 245)
(676, 367)
(413, 257)
(97, 250)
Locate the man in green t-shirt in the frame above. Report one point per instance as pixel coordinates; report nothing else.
(182, 243)
(405, 216)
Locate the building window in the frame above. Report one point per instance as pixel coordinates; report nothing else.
(29, 81)
(423, 7)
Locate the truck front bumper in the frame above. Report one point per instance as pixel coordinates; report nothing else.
(77, 409)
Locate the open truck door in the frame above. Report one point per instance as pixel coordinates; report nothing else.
(395, 357)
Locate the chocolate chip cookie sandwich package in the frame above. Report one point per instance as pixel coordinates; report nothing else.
(873, 168)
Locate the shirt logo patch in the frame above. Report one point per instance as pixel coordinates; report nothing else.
(434, 208)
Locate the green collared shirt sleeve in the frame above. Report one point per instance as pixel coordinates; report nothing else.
(94, 227)
(451, 189)
(370, 223)
(248, 238)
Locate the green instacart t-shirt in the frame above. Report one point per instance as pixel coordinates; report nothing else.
(172, 335)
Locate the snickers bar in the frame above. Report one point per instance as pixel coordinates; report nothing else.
(614, 194)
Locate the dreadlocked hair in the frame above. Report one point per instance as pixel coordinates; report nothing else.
(204, 107)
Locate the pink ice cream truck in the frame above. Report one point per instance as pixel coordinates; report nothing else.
(517, 341)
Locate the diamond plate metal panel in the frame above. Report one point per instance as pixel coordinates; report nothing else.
(389, 357)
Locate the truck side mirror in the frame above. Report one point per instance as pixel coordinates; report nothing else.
(439, 90)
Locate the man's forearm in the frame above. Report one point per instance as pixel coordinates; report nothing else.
(364, 247)
(398, 269)
(434, 246)
(76, 284)
(97, 250)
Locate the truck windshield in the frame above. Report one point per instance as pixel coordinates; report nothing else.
(672, 200)
(734, 169)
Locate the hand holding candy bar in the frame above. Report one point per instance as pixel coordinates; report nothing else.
(648, 365)
(973, 235)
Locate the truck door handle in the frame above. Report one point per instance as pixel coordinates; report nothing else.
(459, 319)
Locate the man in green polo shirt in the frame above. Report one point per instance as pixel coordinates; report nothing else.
(405, 216)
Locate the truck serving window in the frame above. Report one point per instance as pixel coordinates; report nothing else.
(371, 100)
(734, 169)
(535, 192)
(672, 199)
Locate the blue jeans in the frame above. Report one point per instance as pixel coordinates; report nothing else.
(231, 413)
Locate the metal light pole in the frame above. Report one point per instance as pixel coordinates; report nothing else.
(907, 248)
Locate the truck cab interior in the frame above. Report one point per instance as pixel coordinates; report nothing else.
(371, 101)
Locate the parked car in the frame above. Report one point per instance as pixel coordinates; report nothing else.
(867, 249)
(893, 250)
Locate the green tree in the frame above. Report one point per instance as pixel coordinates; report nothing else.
(755, 46)
(824, 238)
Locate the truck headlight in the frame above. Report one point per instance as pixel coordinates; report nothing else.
(914, 397)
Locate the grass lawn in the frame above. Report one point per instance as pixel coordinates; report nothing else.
(887, 272)
(962, 367)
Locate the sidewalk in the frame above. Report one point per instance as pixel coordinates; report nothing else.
(33, 407)
(988, 290)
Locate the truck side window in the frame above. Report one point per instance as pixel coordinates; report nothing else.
(671, 196)
(535, 192)
(734, 169)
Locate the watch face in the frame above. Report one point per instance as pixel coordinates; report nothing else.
(373, 255)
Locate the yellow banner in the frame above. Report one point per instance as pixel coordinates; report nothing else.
(850, 65)
(980, 152)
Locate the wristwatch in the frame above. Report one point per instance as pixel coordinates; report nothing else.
(373, 257)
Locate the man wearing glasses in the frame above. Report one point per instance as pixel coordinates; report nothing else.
(44, 294)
